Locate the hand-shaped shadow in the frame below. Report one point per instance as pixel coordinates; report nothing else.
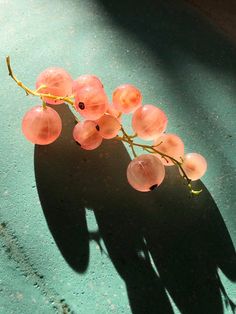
(185, 236)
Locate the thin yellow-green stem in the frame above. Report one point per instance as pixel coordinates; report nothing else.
(133, 151)
(125, 134)
(151, 149)
(35, 92)
(129, 140)
(44, 105)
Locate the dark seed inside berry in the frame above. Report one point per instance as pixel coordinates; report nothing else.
(97, 127)
(81, 105)
(153, 187)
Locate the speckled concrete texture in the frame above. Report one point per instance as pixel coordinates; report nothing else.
(74, 237)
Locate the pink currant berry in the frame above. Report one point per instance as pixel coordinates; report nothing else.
(41, 125)
(58, 83)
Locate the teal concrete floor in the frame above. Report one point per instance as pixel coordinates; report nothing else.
(74, 237)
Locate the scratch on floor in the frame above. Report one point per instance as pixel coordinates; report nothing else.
(16, 253)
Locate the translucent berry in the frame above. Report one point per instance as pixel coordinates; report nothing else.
(86, 134)
(91, 102)
(126, 98)
(194, 165)
(58, 82)
(85, 81)
(171, 145)
(113, 111)
(108, 126)
(41, 125)
(145, 173)
(149, 122)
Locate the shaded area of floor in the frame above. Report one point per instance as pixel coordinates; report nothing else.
(221, 13)
(185, 237)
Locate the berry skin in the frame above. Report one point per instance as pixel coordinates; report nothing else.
(126, 98)
(145, 173)
(108, 126)
(91, 102)
(86, 81)
(86, 134)
(194, 165)
(171, 145)
(149, 122)
(58, 83)
(114, 112)
(41, 125)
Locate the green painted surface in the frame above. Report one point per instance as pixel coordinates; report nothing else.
(90, 244)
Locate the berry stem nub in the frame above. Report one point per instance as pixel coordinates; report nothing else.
(81, 105)
(153, 187)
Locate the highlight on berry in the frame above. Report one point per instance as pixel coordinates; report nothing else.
(99, 119)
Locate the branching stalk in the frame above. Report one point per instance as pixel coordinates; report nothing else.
(35, 92)
(151, 149)
(129, 139)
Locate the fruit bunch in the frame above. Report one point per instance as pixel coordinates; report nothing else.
(102, 120)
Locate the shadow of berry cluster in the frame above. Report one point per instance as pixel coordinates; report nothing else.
(159, 242)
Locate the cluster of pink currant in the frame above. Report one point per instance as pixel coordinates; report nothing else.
(102, 120)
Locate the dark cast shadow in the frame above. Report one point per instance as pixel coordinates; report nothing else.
(159, 241)
(182, 45)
